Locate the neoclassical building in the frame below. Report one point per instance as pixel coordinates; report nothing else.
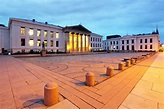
(139, 42)
(24, 35)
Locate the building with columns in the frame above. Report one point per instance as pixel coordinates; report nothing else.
(77, 38)
(139, 42)
(24, 35)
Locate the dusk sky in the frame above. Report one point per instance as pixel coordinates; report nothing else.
(104, 17)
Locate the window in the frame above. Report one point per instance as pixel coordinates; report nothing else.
(145, 46)
(22, 31)
(127, 47)
(38, 43)
(45, 33)
(117, 42)
(132, 41)
(31, 32)
(151, 40)
(51, 34)
(38, 32)
(57, 43)
(122, 47)
(45, 43)
(110, 42)
(31, 42)
(22, 42)
(57, 35)
(114, 42)
(91, 44)
(140, 46)
(52, 43)
(145, 40)
(132, 47)
(127, 41)
(140, 40)
(122, 41)
(117, 47)
(151, 46)
(91, 38)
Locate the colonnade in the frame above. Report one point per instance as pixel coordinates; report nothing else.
(77, 42)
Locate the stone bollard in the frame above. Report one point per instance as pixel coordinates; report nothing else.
(148, 56)
(110, 71)
(132, 61)
(50, 94)
(90, 79)
(43, 53)
(128, 63)
(121, 66)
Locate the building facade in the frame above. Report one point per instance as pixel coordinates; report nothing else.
(141, 42)
(4, 39)
(96, 42)
(24, 35)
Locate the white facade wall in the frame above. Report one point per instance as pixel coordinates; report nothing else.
(95, 42)
(134, 43)
(4, 39)
(16, 36)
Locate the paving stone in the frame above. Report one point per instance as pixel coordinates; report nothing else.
(137, 102)
(65, 104)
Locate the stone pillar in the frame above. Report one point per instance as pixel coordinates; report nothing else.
(81, 35)
(121, 66)
(132, 61)
(72, 41)
(51, 94)
(85, 39)
(43, 53)
(67, 42)
(77, 44)
(90, 79)
(110, 71)
(148, 56)
(88, 48)
(128, 63)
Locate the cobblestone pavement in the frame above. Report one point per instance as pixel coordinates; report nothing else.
(76, 67)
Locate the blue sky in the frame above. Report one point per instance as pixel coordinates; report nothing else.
(104, 17)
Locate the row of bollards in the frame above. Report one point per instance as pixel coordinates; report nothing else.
(51, 89)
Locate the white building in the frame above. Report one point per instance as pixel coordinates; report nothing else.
(4, 39)
(96, 42)
(28, 35)
(141, 42)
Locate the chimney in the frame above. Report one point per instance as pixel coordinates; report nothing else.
(33, 20)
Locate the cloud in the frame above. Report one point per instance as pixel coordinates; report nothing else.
(103, 17)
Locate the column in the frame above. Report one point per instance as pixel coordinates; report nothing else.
(77, 43)
(85, 39)
(88, 48)
(72, 41)
(81, 35)
(67, 49)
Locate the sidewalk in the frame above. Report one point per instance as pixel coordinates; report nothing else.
(22, 86)
(149, 92)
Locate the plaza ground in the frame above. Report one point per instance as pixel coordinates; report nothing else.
(140, 86)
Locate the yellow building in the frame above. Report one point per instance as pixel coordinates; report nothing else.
(77, 38)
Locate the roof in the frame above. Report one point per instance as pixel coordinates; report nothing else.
(113, 36)
(78, 27)
(33, 21)
(96, 34)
